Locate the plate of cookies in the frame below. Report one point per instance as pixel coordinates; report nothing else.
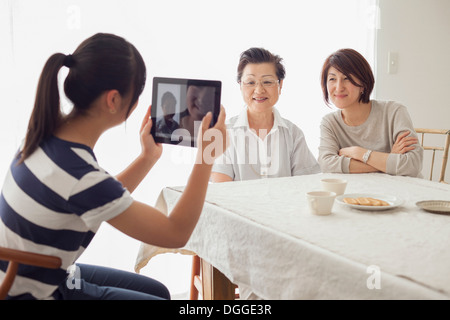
(369, 202)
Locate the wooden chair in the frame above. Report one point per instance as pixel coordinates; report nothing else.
(445, 148)
(16, 257)
(209, 282)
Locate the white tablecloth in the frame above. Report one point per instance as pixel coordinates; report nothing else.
(260, 234)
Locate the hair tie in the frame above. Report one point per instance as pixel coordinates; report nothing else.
(68, 61)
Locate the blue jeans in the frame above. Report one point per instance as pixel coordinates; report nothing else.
(101, 283)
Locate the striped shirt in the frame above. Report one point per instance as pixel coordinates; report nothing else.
(53, 203)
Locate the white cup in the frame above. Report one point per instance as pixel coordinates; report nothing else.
(334, 185)
(321, 202)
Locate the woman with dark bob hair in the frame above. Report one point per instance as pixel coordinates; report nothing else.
(56, 195)
(364, 135)
(262, 143)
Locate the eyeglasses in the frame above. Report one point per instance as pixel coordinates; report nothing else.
(269, 83)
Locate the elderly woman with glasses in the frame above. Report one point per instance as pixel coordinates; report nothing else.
(262, 143)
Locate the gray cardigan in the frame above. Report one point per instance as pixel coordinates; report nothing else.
(386, 120)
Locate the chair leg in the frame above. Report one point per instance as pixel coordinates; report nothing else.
(432, 165)
(195, 272)
(8, 279)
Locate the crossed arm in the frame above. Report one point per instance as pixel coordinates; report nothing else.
(377, 160)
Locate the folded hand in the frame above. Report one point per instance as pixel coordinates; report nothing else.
(404, 143)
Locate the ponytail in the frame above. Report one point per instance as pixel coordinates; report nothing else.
(46, 114)
(100, 63)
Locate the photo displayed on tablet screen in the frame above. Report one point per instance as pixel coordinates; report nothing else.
(178, 107)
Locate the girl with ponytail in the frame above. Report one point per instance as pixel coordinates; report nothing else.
(56, 195)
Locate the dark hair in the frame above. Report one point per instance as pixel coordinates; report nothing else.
(100, 63)
(260, 55)
(167, 96)
(353, 65)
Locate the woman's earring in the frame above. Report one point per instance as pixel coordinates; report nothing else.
(112, 111)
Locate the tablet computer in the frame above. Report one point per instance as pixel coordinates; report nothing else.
(178, 107)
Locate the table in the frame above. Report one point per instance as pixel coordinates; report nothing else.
(260, 234)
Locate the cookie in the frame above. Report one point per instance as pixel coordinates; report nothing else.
(365, 201)
(350, 201)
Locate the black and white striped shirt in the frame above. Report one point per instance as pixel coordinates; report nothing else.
(53, 203)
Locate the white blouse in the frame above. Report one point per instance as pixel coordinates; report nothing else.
(282, 153)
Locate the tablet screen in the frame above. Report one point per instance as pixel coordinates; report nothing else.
(178, 107)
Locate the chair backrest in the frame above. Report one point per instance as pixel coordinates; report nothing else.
(444, 149)
(16, 257)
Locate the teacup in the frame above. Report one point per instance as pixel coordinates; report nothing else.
(321, 202)
(334, 185)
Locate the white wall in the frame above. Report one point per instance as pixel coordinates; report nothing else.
(419, 32)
